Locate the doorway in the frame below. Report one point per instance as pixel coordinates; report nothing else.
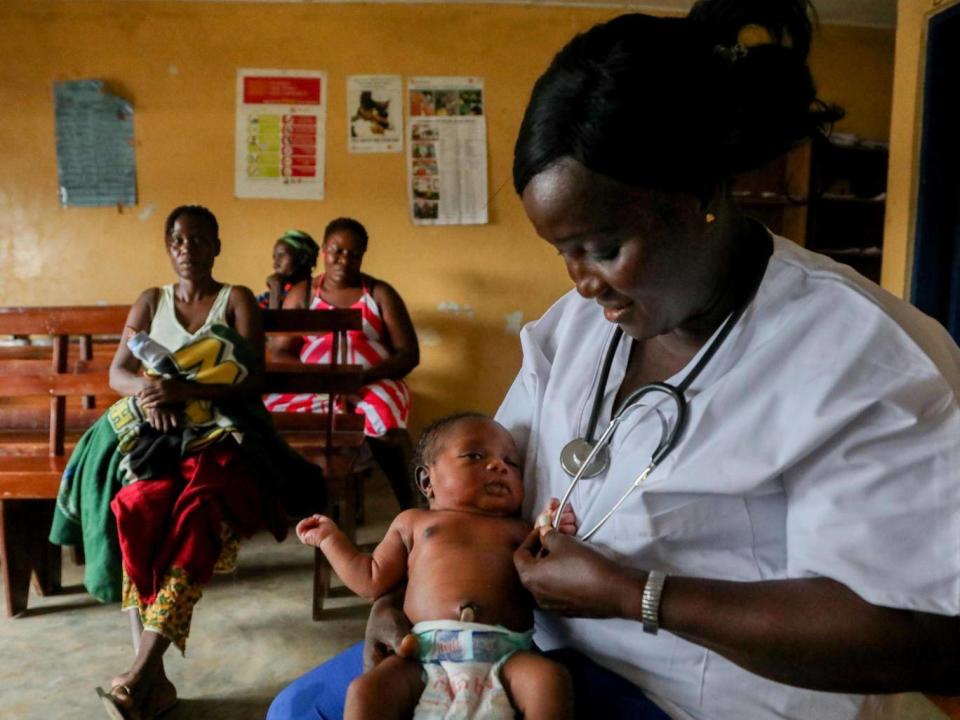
(935, 286)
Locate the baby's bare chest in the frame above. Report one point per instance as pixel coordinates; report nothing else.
(447, 537)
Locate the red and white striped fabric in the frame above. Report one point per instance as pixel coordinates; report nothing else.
(385, 404)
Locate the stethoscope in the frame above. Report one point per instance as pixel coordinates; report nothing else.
(582, 457)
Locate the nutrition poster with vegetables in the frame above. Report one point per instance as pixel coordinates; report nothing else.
(447, 152)
(280, 134)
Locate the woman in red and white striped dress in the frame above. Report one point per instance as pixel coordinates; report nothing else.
(386, 348)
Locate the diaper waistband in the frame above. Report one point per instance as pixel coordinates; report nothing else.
(455, 641)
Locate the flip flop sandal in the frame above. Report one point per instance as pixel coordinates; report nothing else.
(109, 700)
(165, 709)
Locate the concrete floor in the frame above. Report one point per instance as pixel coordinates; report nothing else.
(252, 635)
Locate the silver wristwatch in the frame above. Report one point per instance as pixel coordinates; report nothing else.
(650, 602)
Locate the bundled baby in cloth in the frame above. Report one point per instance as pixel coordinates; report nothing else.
(472, 617)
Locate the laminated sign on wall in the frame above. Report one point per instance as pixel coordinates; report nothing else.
(281, 134)
(95, 158)
(447, 155)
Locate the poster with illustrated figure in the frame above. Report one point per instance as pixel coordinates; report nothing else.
(447, 151)
(374, 114)
(280, 134)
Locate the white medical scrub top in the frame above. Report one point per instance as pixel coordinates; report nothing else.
(822, 440)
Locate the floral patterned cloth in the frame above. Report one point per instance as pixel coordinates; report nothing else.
(171, 612)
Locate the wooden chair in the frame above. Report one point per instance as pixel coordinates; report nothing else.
(331, 440)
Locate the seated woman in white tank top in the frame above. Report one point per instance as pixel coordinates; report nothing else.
(185, 470)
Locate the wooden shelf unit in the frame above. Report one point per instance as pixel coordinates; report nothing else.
(826, 196)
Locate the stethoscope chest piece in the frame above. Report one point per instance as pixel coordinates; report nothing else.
(576, 452)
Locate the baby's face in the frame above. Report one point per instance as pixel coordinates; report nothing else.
(477, 469)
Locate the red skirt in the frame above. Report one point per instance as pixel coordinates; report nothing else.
(176, 521)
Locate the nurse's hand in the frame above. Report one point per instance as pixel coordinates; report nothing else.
(568, 577)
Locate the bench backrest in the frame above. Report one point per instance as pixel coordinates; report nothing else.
(24, 377)
(29, 372)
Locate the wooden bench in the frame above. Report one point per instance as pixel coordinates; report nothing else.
(37, 452)
(29, 481)
(25, 421)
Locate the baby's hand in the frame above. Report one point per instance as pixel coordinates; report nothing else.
(315, 529)
(568, 519)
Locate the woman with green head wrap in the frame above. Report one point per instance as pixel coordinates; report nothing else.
(294, 257)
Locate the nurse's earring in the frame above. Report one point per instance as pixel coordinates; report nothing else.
(710, 218)
(422, 477)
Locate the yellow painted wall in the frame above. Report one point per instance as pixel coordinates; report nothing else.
(176, 62)
(853, 67)
(904, 144)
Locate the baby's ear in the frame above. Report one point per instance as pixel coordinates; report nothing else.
(422, 477)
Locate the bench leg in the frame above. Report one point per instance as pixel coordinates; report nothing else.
(358, 497)
(343, 509)
(24, 550)
(47, 558)
(76, 555)
(321, 582)
(348, 509)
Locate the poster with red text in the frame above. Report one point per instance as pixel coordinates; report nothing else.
(281, 134)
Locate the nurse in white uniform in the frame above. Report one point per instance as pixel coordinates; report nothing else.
(797, 555)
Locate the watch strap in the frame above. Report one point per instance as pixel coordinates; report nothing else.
(650, 602)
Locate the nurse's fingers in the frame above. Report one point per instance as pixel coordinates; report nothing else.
(528, 551)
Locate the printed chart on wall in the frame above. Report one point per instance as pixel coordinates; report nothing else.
(281, 134)
(447, 156)
(375, 113)
(95, 155)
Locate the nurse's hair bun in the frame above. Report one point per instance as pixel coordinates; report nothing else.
(677, 103)
(771, 99)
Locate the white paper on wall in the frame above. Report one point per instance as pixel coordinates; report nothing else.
(447, 151)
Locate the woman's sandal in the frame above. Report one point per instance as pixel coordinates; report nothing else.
(117, 712)
(150, 713)
(110, 702)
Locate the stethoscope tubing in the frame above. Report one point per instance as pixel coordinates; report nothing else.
(678, 393)
(666, 445)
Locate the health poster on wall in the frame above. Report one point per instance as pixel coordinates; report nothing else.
(281, 134)
(375, 113)
(447, 152)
